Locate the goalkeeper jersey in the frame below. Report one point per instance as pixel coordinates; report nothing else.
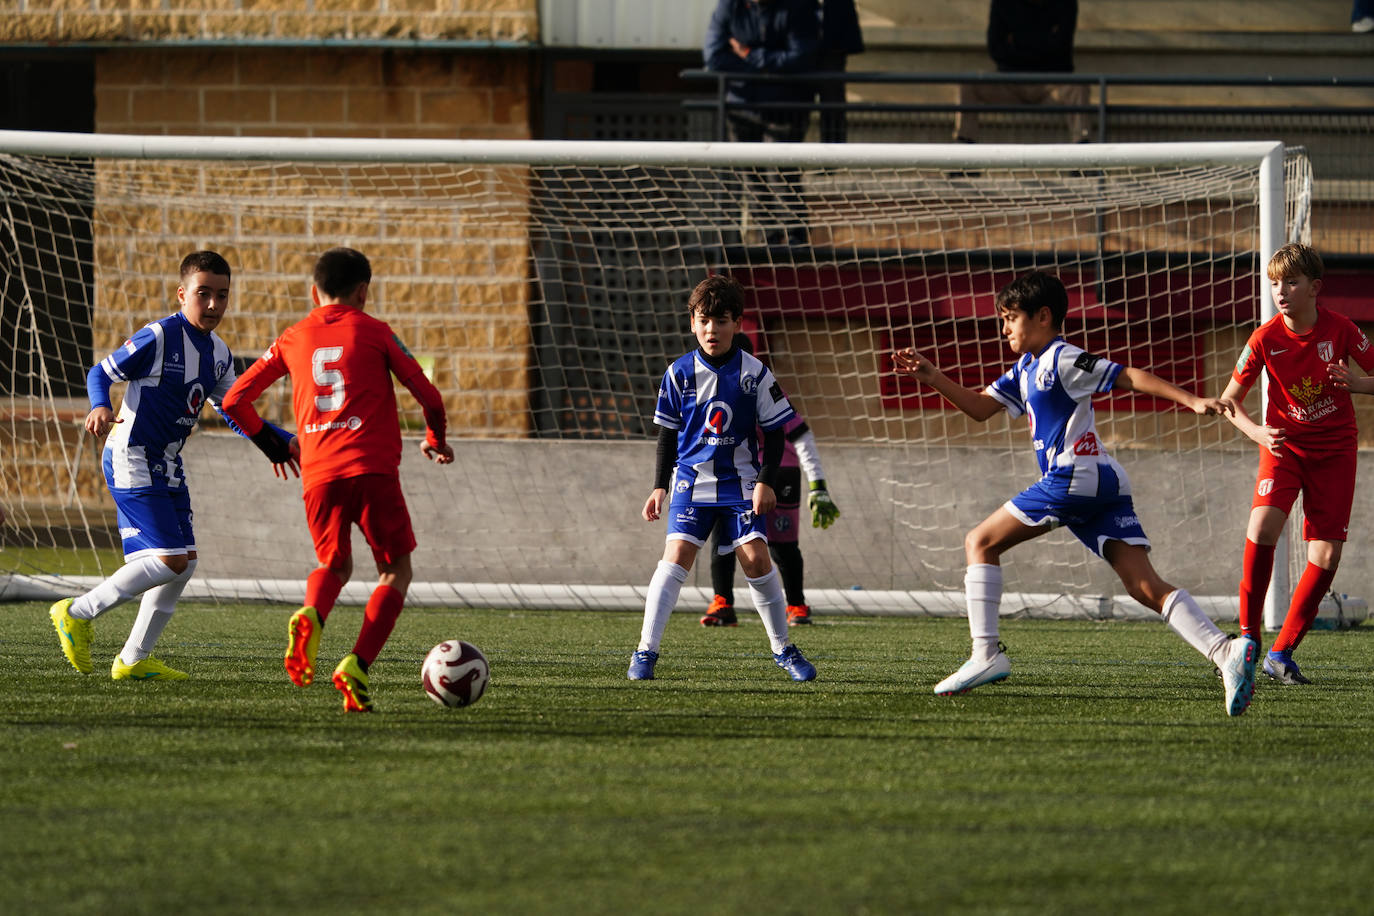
(715, 411)
(172, 368)
(341, 361)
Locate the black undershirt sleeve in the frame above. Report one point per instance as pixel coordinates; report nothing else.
(666, 457)
(773, 443)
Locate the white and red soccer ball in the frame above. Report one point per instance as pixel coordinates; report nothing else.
(455, 673)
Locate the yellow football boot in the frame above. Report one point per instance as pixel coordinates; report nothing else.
(351, 681)
(302, 639)
(150, 669)
(74, 634)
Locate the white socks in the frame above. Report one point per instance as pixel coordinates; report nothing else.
(1186, 619)
(666, 585)
(771, 603)
(154, 612)
(664, 588)
(132, 578)
(983, 597)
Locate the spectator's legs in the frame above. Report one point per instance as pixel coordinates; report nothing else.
(834, 124)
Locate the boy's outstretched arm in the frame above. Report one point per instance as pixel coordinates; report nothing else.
(1268, 438)
(977, 404)
(1133, 379)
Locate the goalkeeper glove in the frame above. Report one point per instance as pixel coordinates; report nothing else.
(823, 508)
(277, 449)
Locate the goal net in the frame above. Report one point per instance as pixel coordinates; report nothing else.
(543, 286)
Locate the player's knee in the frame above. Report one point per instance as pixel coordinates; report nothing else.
(979, 546)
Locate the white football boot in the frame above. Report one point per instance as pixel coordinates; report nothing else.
(975, 673)
(1238, 674)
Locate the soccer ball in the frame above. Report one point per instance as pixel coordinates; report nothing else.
(455, 673)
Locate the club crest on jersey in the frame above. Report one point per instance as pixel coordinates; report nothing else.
(682, 486)
(719, 416)
(1044, 377)
(1325, 350)
(749, 384)
(220, 369)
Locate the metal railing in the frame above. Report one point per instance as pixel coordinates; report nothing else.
(1331, 117)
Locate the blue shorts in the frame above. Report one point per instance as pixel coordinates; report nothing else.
(154, 521)
(693, 522)
(1094, 520)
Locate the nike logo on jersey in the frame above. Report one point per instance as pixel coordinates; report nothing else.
(1277, 352)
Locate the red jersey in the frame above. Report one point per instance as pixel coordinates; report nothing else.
(1302, 401)
(340, 360)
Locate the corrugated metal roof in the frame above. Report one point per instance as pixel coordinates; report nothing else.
(624, 24)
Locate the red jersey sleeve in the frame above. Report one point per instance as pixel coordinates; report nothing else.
(1251, 361)
(1359, 348)
(410, 374)
(238, 402)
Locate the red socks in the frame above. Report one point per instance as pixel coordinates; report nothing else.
(1312, 588)
(1256, 568)
(322, 590)
(378, 620)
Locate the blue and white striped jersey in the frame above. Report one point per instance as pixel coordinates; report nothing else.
(1054, 390)
(172, 368)
(716, 412)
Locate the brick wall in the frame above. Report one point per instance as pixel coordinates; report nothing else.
(513, 21)
(453, 288)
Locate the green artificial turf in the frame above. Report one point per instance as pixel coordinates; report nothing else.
(1102, 777)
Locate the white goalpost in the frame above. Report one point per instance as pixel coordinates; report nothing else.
(543, 285)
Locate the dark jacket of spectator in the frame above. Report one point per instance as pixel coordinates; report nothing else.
(783, 36)
(1032, 36)
(840, 31)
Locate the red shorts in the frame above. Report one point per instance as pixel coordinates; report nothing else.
(1326, 480)
(374, 503)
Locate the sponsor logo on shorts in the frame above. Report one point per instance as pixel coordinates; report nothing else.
(127, 533)
(1266, 486)
(1127, 521)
